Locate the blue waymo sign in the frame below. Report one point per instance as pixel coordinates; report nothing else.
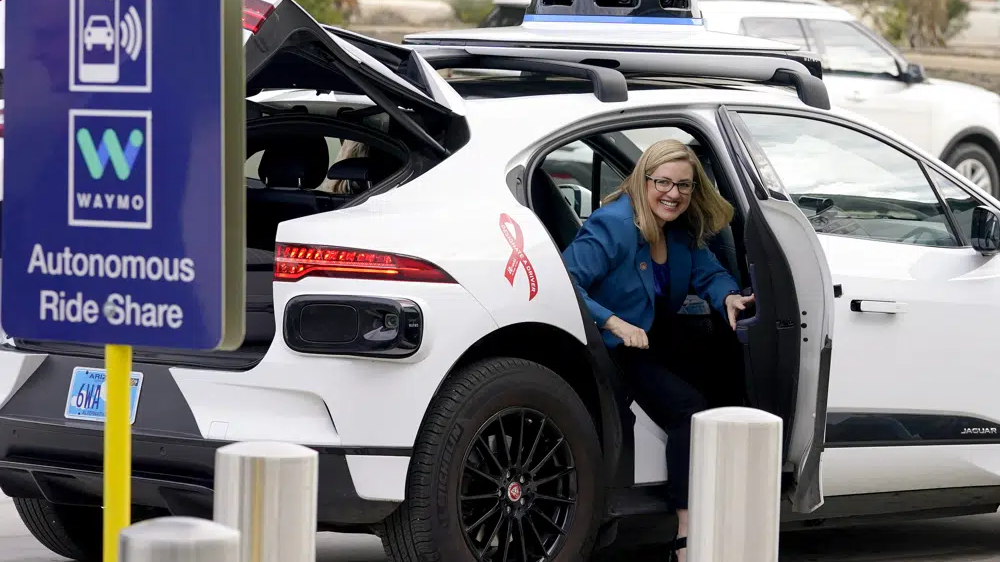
(115, 183)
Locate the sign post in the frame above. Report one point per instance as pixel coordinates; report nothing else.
(117, 448)
(124, 197)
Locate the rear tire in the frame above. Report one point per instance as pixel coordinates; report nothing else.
(462, 429)
(72, 531)
(970, 159)
(69, 531)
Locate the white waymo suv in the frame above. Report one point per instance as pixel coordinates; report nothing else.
(410, 316)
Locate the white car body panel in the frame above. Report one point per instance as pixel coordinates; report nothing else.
(945, 291)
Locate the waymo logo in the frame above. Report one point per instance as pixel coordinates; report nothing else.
(110, 150)
(110, 168)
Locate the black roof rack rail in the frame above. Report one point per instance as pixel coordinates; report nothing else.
(757, 67)
(811, 90)
(609, 84)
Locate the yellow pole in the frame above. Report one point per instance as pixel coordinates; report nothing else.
(117, 447)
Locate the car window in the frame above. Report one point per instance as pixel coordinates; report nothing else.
(571, 168)
(958, 200)
(850, 184)
(787, 30)
(845, 48)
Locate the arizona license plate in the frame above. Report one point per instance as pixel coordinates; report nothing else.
(88, 395)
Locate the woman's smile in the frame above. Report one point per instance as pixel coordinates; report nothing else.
(666, 200)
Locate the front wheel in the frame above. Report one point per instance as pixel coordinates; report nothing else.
(975, 163)
(505, 468)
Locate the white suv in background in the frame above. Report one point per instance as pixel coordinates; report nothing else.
(864, 73)
(959, 123)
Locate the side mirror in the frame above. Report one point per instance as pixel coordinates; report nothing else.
(985, 231)
(914, 73)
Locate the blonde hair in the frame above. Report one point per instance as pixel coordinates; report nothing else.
(348, 149)
(708, 212)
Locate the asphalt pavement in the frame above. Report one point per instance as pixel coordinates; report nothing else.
(966, 539)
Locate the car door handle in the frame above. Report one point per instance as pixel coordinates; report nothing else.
(880, 307)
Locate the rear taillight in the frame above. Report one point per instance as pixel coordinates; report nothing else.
(1, 123)
(293, 262)
(254, 14)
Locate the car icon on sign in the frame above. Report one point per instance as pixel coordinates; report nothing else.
(98, 31)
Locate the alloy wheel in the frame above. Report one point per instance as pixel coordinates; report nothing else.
(977, 173)
(518, 492)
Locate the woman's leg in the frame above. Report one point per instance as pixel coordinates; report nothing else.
(670, 402)
(704, 352)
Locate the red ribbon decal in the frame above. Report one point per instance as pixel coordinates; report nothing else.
(517, 255)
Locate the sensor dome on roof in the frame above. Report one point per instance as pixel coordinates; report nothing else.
(676, 12)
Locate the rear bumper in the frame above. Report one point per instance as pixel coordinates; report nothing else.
(44, 455)
(64, 465)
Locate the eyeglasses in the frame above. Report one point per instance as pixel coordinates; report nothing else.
(664, 185)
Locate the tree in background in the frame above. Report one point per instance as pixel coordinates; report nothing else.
(471, 11)
(915, 23)
(328, 11)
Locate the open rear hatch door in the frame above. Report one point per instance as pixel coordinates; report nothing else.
(286, 48)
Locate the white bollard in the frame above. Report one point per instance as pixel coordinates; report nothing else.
(179, 539)
(267, 490)
(734, 498)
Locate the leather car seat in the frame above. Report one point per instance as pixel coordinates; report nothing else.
(295, 161)
(364, 171)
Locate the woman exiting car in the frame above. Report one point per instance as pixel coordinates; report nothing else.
(634, 262)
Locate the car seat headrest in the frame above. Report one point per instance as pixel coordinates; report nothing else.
(295, 161)
(354, 169)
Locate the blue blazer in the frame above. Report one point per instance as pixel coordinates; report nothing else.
(609, 262)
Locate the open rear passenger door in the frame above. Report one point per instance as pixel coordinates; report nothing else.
(788, 341)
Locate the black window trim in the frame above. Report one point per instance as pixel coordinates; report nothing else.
(949, 214)
(606, 158)
(931, 167)
(922, 162)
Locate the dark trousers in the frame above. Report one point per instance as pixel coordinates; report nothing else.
(692, 364)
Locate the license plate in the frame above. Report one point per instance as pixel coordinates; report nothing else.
(88, 395)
